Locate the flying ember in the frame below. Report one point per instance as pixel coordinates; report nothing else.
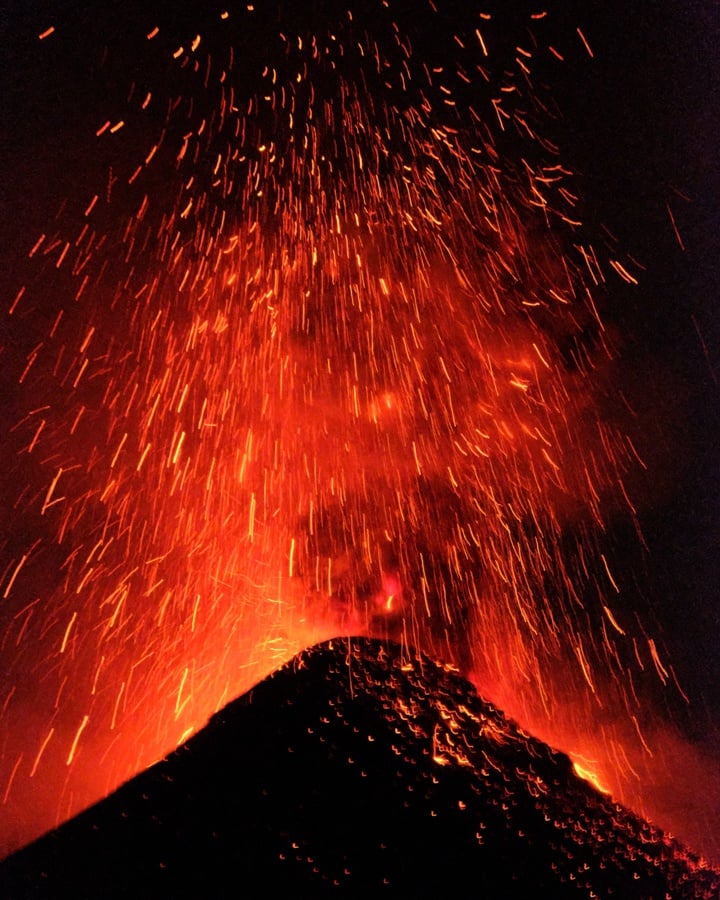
(314, 347)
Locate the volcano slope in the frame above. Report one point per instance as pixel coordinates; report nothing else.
(358, 767)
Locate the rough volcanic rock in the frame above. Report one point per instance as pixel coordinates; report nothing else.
(358, 769)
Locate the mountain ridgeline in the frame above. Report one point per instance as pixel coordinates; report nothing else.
(358, 767)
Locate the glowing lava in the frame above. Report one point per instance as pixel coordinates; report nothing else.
(330, 359)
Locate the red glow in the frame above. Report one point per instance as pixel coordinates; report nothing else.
(309, 398)
(589, 775)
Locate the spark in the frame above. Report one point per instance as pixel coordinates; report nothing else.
(41, 751)
(76, 740)
(586, 45)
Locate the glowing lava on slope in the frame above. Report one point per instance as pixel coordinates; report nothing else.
(320, 352)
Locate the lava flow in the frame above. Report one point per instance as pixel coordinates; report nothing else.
(315, 348)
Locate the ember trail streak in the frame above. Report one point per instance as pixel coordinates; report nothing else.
(330, 361)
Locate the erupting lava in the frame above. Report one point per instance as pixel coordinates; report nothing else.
(321, 352)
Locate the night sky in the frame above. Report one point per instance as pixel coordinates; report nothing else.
(644, 127)
(637, 121)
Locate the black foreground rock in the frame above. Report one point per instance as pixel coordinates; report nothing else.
(358, 770)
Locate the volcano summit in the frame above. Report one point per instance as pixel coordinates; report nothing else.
(358, 767)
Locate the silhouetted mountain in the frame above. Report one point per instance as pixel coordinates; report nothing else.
(358, 769)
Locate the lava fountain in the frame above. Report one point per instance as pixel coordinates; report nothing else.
(315, 348)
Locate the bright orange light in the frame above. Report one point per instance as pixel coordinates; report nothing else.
(590, 776)
(331, 363)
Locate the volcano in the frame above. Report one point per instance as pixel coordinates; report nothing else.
(358, 766)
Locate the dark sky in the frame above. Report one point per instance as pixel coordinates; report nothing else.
(646, 130)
